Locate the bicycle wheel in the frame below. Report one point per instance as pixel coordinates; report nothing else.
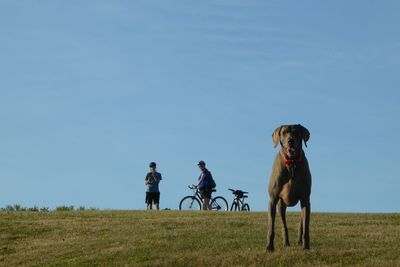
(246, 207)
(219, 204)
(234, 206)
(190, 203)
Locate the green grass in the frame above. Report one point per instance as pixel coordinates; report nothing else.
(174, 238)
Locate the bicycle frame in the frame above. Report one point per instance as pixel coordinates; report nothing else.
(239, 200)
(218, 203)
(197, 194)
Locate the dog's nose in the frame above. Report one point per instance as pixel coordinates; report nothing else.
(291, 141)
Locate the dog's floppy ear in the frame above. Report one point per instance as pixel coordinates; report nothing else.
(276, 136)
(305, 134)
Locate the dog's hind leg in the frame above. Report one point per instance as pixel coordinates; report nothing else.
(282, 212)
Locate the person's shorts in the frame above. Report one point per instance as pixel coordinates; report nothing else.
(152, 197)
(205, 193)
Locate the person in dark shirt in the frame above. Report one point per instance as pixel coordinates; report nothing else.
(204, 186)
(152, 180)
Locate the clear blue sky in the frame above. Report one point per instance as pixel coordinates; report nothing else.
(92, 91)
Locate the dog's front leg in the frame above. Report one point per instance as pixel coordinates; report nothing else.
(282, 212)
(300, 235)
(305, 216)
(271, 224)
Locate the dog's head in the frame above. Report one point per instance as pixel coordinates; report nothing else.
(290, 137)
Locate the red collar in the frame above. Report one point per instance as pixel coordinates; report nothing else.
(290, 162)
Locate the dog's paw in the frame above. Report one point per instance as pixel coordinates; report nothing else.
(270, 248)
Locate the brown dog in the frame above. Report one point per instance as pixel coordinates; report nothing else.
(290, 183)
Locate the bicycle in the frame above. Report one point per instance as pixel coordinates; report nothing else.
(238, 202)
(195, 202)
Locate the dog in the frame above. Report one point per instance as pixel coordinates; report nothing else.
(290, 182)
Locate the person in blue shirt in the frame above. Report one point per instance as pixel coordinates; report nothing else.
(204, 186)
(152, 180)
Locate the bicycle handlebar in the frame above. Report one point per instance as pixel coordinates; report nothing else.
(192, 187)
(237, 191)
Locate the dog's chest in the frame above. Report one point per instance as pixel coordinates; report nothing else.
(291, 189)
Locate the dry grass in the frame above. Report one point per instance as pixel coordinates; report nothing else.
(174, 238)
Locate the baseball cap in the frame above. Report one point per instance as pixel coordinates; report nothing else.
(152, 164)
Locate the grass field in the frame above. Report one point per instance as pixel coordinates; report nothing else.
(174, 238)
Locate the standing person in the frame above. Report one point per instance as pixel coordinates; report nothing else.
(204, 185)
(152, 180)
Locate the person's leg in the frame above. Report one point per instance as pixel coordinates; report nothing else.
(206, 203)
(148, 201)
(209, 192)
(153, 199)
(157, 200)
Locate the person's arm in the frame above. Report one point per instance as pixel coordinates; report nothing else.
(159, 178)
(203, 176)
(155, 178)
(147, 180)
